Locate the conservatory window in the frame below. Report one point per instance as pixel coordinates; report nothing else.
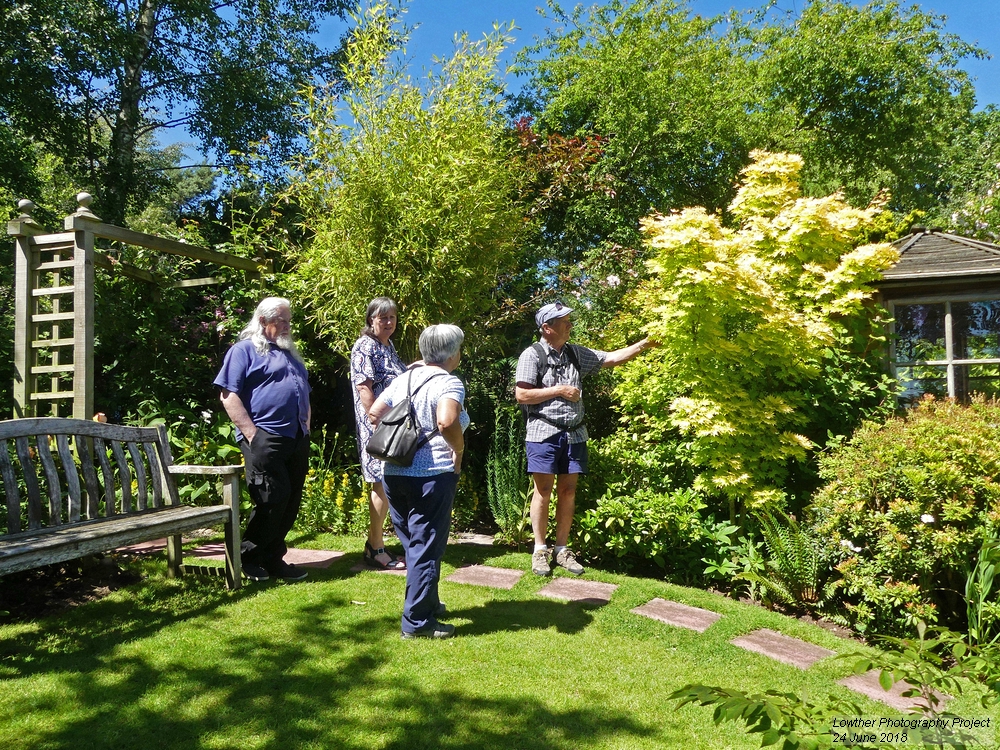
(946, 348)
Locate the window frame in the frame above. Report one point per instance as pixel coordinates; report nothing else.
(950, 362)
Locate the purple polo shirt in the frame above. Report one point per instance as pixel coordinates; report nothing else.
(274, 387)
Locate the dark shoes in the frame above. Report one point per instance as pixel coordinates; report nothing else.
(255, 573)
(438, 630)
(287, 572)
(372, 555)
(283, 570)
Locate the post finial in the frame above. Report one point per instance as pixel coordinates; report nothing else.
(25, 207)
(24, 225)
(83, 201)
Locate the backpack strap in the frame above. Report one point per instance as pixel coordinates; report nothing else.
(543, 362)
(413, 414)
(543, 365)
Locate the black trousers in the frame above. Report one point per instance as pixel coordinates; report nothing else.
(276, 470)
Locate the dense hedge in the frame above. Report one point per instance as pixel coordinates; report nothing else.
(905, 508)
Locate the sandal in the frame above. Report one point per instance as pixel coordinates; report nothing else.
(371, 558)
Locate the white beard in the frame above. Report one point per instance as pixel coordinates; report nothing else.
(287, 343)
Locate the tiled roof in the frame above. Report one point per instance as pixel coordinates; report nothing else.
(929, 254)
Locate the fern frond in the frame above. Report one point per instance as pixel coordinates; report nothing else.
(793, 557)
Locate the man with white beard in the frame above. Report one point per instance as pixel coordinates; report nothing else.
(265, 391)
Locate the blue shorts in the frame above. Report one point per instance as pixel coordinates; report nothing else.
(556, 455)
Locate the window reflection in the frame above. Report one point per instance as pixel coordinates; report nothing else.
(916, 381)
(920, 332)
(976, 329)
(971, 379)
(921, 335)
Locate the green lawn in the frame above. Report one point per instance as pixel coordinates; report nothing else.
(319, 664)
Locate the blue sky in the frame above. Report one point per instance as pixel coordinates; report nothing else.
(439, 20)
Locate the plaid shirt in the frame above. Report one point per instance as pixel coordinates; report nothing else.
(558, 371)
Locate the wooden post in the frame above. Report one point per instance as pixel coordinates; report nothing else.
(83, 306)
(231, 496)
(22, 229)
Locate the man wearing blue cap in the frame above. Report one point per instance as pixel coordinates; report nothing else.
(549, 376)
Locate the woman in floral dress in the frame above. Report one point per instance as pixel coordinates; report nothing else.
(374, 364)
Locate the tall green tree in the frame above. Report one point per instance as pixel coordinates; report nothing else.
(409, 188)
(91, 79)
(972, 206)
(657, 85)
(871, 96)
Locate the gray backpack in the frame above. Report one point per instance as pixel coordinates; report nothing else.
(398, 436)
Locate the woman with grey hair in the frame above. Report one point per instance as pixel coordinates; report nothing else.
(421, 495)
(374, 364)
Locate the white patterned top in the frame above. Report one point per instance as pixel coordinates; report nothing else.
(435, 456)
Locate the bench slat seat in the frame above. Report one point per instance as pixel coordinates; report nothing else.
(29, 549)
(106, 486)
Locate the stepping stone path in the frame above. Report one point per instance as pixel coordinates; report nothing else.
(679, 615)
(145, 548)
(479, 540)
(484, 575)
(588, 592)
(766, 642)
(304, 558)
(867, 684)
(782, 648)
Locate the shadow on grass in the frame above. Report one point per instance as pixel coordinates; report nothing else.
(307, 678)
(506, 616)
(458, 722)
(91, 631)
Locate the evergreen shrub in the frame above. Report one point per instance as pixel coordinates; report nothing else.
(906, 506)
(632, 531)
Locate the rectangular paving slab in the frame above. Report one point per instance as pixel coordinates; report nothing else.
(679, 615)
(305, 558)
(464, 537)
(145, 548)
(868, 685)
(485, 575)
(588, 592)
(782, 648)
(361, 566)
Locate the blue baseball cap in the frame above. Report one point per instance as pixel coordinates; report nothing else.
(551, 311)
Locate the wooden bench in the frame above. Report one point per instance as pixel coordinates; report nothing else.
(100, 487)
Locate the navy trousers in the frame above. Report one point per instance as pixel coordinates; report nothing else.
(420, 508)
(276, 470)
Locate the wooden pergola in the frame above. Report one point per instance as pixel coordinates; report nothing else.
(54, 303)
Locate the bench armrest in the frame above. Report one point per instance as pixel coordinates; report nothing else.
(230, 476)
(205, 470)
